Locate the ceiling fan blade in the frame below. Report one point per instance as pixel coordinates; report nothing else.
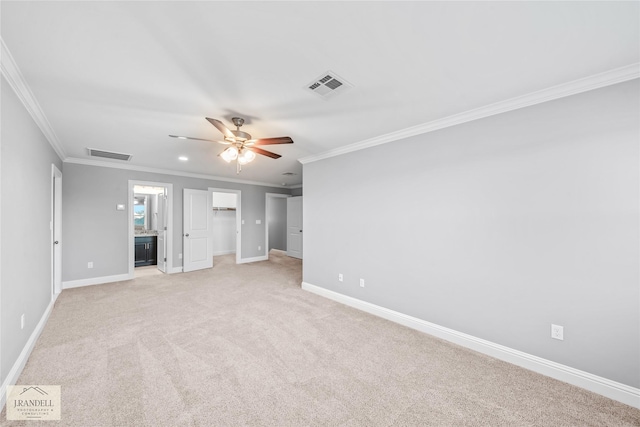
(200, 139)
(221, 127)
(264, 152)
(270, 141)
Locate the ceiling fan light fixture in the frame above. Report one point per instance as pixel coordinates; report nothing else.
(250, 155)
(246, 156)
(240, 144)
(230, 154)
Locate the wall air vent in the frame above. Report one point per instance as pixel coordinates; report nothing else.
(108, 154)
(328, 84)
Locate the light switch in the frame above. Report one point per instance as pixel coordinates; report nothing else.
(258, 221)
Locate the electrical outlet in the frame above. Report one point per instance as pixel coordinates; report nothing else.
(258, 221)
(179, 256)
(362, 283)
(22, 321)
(340, 277)
(259, 248)
(557, 332)
(90, 264)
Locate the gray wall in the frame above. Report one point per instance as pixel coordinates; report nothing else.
(277, 214)
(497, 228)
(94, 231)
(25, 277)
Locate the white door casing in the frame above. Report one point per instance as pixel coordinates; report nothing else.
(294, 227)
(197, 230)
(161, 228)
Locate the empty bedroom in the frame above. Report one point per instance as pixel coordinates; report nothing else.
(320, 213)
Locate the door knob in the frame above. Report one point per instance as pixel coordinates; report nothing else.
(56, 242)
(186, 235)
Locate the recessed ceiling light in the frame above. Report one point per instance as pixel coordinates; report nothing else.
(183, 158)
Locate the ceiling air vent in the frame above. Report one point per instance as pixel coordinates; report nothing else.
(328, 84)
(109, 154)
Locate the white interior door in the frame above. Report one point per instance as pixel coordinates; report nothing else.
(197, 230)
(162, 231)
(56, 230)
(294, 227)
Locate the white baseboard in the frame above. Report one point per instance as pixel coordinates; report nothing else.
(18, 366)
(95, 281)
(175, 270)
(227, 252)
(603, 386)
(254, 259)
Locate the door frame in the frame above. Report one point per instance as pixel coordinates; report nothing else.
(56, 229)
(268, 198)
(168, 233)
(238, 194)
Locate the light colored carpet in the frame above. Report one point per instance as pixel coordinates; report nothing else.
(244, 345)
(147, 270)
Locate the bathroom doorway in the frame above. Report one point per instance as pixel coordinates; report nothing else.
(150, 228)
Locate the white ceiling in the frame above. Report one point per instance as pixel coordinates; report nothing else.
(122, 76)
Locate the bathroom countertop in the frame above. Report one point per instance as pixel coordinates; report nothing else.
(148, 233)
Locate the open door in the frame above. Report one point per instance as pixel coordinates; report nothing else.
(197, 230)
(294, 227)
(56, 229)
(162, 231)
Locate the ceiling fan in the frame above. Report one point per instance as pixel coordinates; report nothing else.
(240, 145)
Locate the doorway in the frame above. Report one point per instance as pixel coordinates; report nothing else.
(276, 222)
(150, 228)
(226, 219)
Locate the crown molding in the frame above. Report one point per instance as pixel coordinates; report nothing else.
(596, 81)
(14, 77)
(104, 164)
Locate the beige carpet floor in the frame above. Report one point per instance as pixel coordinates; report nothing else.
(243, 345)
